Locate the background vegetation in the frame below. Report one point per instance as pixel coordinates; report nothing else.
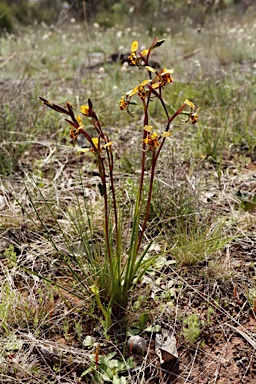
(23, 12)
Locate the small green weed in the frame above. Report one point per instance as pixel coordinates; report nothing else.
(11, 256)
(108, 369)
(192, 328)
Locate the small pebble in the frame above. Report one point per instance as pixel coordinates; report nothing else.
(137, 345)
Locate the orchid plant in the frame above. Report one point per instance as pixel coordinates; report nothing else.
(126, 264)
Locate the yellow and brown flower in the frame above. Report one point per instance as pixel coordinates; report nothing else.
(193, 114)
(152, 139)
(95, 147)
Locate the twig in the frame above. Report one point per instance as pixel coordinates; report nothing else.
(192, 365)
(245, 336)
(216, 373)
(9, 58)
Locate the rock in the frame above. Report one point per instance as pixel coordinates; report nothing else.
(137, 345)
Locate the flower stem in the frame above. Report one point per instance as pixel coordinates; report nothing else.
(104, 186)
(154, 159)
(143, 156)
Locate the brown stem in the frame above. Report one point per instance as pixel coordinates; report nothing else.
(168, 127)
(163, 104)
(98, 128)
(87, 137)
(103, 180)
(111, 167)
(143, 156)
(154, 158)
